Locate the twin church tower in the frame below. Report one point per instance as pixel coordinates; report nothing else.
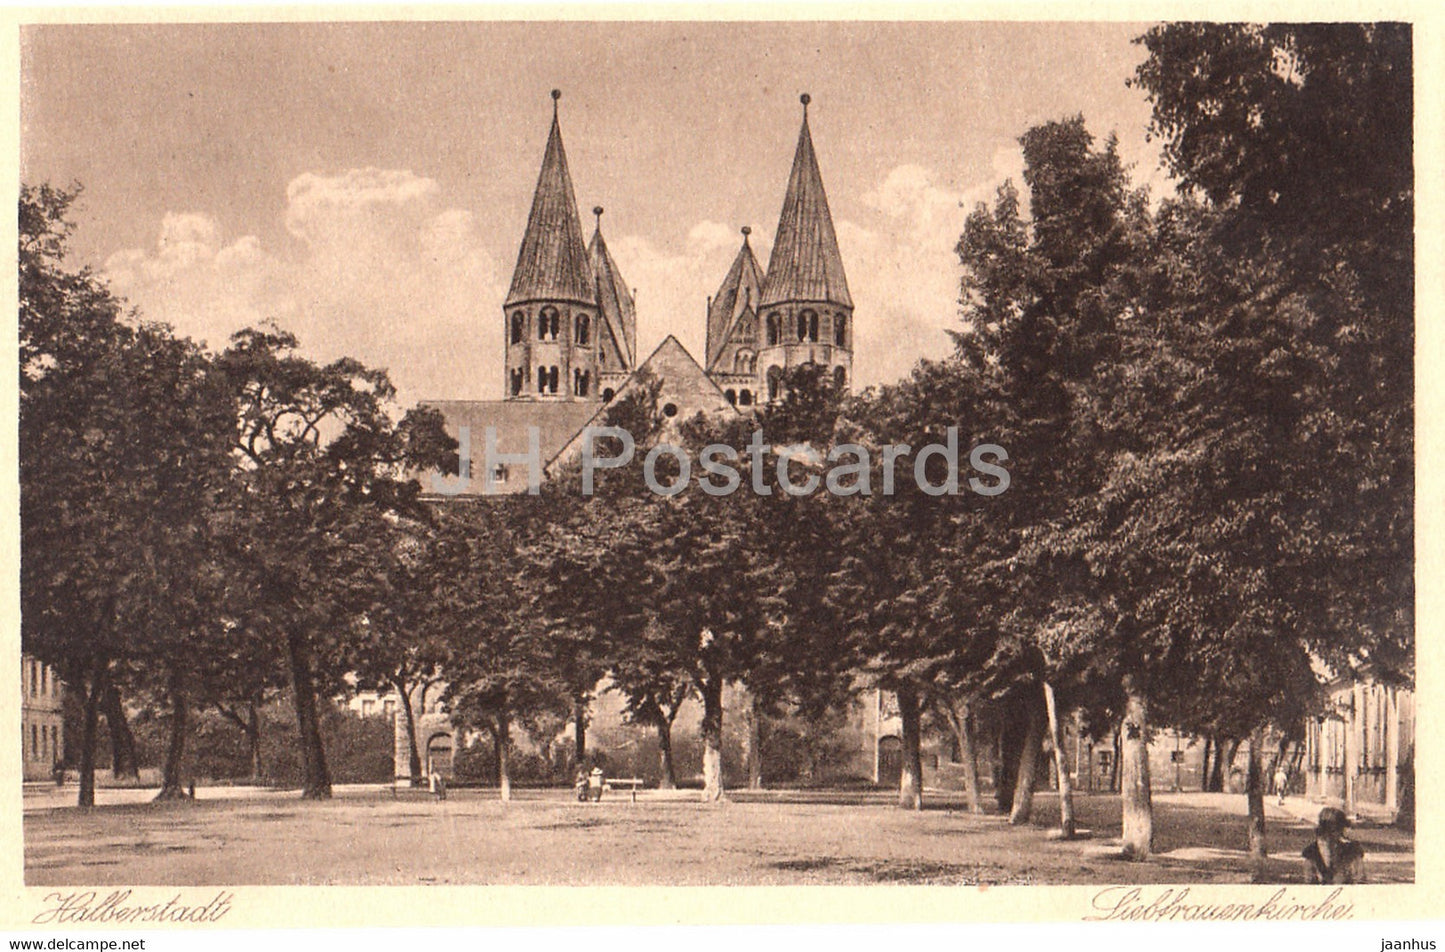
(571, 322)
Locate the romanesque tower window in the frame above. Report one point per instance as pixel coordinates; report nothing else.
(516, 382)
(547, 378)
(732, 396)
(840, 378)
(584, 329)
(608, 394)
(775, 328)
(840, 330)
(775, 382)
(581, 382)
(745, 398)
(519, 326)
(549, 324)
(808, 326)
(745, 362)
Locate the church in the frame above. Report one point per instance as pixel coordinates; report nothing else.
(569, 324)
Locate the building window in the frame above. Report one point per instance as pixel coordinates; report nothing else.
(548, 324)
(732, 396)
(775, 381)
(388, 707)
(516, 382)
(840, 330)
(44, 680)
(581, 382)
(55, 741)
(368, 707)
(808, 326)
(775, 328)
(584, 329)
(34, 678)
(840, 378)
(669, 410)
(34, 742)
(608, 394)
(519, 326)
(745, 362)
(547, 378)
(745, 398)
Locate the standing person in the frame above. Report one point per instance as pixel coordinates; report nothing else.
(594, 783)
(1281, 780)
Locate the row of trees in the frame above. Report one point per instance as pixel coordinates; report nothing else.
(1206, 403)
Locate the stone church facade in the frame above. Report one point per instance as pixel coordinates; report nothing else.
(569, 326)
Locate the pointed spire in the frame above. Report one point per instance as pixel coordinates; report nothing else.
(552, 263)
(738, 294)
(619, 312)
(806, 264)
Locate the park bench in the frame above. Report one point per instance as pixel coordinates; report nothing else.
(631, 782)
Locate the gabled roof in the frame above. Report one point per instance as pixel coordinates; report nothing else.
(613, 298)
(552, 264)
(740, 292)
(805, 264)
(683, 384)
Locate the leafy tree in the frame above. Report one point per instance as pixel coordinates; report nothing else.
(317, 456)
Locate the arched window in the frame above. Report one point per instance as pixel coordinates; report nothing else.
(775, 382)
(519, 326)
(581, 380)
(732, 396)
(775, 328)
(548, 324)
(803, 326)
(840, 330)
(516, 382)
(584, 329)
(608, 394)
(840, 378)
(744, 362)
(547, 379)
(745, 398)
(808, 326)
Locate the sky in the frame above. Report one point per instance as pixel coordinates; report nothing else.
(366, 185)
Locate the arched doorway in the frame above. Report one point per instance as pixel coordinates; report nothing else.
(890, 761)
(439, 755)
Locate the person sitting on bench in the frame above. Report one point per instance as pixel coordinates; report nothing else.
(1331, 858)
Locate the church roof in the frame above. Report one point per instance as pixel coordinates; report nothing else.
(740, 291)
(684, 384)
(805, 264)
(613, 298)
(552, 264)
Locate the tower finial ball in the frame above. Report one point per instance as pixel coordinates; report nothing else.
(556, 94)
(597, 210)
(805, 99)
(747, 231)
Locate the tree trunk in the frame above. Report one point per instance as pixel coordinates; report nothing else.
(1118, 759)
(1138, 833)
(502, 737)
(1223, 769)
(413, 760)
(664, 747)
(1010, 747)
(755, 743)
(1066, 786)
(1254, 792)
(171, 786)
(1204, 766)
(313, 751)
(579, 735)
(910, 782)
(960, 720)
(712, 739)
(123, 764)
(89, 729)
(1023, 804)
(253, 738)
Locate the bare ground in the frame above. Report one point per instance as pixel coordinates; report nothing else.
(366, 837)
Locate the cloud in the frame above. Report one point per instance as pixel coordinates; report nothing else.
(386, 273)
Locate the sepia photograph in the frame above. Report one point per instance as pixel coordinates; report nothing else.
(664, 453)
